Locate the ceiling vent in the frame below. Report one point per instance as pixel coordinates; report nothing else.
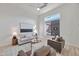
(44, 5)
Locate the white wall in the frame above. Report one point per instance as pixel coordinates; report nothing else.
(10, 17)
(69, 22)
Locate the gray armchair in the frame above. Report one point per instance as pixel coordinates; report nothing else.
(58, 44)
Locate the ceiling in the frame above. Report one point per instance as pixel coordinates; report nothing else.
(27, 8)
(35, 5)
(44, 7)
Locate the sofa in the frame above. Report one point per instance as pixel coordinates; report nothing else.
(57, 44)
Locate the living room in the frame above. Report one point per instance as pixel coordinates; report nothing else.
(24, 32)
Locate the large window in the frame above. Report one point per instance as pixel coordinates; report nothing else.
(52, 25)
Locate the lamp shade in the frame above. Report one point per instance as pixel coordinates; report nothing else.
(14, 34)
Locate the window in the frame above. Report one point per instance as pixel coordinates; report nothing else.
(52, 25)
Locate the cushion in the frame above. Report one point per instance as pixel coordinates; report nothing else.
(59, 39)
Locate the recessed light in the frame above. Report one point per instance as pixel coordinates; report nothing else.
(38, 9)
